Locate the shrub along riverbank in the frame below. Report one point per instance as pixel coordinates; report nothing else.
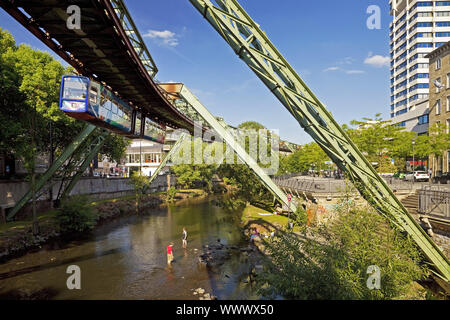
(78, 215)
(331, 261)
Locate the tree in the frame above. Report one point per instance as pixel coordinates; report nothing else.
(439, 141)
(140, 184)
(30, 79)
(308, 157)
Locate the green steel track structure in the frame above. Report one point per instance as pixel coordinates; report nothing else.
(232, 142)
(135, 37)
(81, 150)
(253, 46)
(168, 156)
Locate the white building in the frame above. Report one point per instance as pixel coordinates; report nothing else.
(418, 27)
(145, 155)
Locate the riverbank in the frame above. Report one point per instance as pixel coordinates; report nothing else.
(16, 238)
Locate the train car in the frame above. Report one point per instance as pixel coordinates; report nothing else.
(153, 131)
(88, 100)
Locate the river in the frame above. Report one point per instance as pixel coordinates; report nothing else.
(126, 259)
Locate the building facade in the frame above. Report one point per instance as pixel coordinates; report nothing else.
(440, 101)
(418, 27)
(143, 155)
(416, 120)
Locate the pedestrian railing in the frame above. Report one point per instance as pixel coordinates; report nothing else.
(300, 183)
(435, 202)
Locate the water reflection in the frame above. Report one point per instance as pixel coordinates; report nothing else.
(126, 259)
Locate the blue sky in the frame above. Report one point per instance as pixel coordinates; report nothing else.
(327, 42)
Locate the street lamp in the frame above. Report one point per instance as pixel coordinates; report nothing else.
(414, 162)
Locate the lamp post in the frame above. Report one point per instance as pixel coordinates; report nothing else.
(414, 162)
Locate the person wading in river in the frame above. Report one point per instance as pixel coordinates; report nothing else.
(184, 238)
(170, 253)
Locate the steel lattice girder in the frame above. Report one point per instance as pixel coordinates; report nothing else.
(135, 37)
(168, 156)
(184, 93)
(73, 147)
(252, 45)
(89, 154)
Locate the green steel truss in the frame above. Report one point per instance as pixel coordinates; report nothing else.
(168, 156)
(134, 36)
(70, 165)
(252, 45)
(232, 142)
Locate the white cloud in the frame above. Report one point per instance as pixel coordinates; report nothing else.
(354, 71)
(331, 69)
(165, 37)
(377, 60)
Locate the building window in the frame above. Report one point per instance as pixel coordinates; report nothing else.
(448, 126)
(438, 85)
(448, 80)
(423, 119)
(438, 106)
(438, 63)
(448, 104)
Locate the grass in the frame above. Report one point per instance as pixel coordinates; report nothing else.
(24, 224)
(251, 214)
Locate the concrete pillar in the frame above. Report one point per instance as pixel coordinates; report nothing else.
(168, 181)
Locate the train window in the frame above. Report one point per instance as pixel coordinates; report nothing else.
(75, 88)
(93, 96)
(114, 107)
(106, 103)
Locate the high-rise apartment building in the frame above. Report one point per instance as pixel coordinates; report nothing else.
(418, 27)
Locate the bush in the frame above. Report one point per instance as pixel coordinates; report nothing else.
(171, 193)
(331, 262)
(76, 215)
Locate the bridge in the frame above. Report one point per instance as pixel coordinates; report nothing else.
(109, 49)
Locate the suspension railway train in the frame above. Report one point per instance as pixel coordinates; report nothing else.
(88, 100)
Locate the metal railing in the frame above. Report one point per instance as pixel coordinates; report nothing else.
(435, 201)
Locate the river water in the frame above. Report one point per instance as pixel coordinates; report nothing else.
(126, 259)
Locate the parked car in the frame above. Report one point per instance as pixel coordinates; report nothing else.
(417, 176)
(442, 179)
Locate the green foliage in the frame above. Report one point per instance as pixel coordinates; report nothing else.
(76, 215)
(171, 193)
(251, 125)
(332, 262)
(310, 156)
(139, 182)
(29, 96)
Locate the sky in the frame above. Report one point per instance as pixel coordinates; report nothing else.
(327, 42)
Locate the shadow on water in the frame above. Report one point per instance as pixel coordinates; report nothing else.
(51, 265)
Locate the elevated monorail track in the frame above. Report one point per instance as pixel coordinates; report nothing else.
(107, 48)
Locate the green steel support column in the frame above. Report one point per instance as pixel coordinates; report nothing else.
(169, 155)
(94, 150)
(237, 148)
(252, 45)
(87, 131)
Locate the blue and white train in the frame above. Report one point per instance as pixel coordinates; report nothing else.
(88, 100)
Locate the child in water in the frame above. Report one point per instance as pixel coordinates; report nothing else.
(170, 253)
